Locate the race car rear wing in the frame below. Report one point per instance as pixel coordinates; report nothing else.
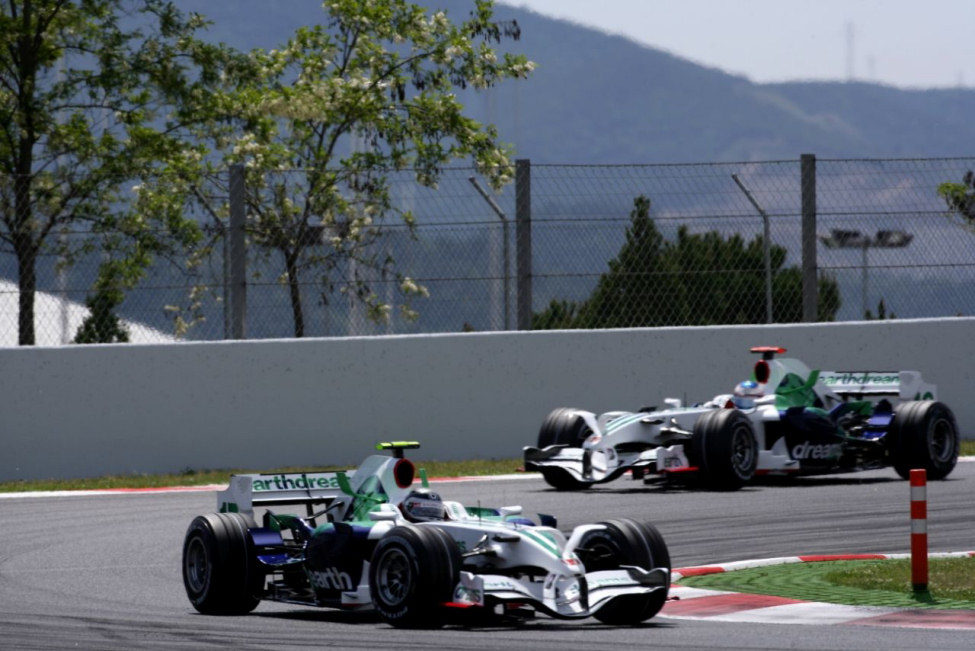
(379, 478)
(309, 488)
(874, 385)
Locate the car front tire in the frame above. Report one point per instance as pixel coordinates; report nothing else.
(626, 542)
(563, 426)
(724, 448)
(412, 574)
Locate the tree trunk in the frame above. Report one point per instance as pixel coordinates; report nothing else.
(21, 231)
(25, 248)
(291, 266)
(26, 252)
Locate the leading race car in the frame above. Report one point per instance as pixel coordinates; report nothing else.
(784, 420)
(375, 539)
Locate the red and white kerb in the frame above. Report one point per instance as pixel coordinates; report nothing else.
(919, 530)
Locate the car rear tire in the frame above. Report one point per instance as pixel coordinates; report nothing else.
(563, 426)
(923, 434)
(221, 573)
(626, 542)
(412, 574)
(724, 448)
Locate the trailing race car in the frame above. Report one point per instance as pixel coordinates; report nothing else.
(784, 420)
(374, 539)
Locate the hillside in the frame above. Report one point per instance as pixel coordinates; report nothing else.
(602, 98)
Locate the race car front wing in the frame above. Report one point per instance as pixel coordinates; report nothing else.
(603, 465)
(561, 596)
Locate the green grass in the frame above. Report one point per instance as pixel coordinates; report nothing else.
(191, 477)
(951, 582)
(954, 577)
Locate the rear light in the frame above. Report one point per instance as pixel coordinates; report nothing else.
(762, 371)
(403, 472)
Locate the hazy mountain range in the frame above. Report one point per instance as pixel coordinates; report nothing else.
(603, 98)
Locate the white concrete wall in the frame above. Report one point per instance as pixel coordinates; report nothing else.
(90, 410)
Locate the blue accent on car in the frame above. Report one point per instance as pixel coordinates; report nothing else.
(877, 426)
(266, 537)
(359, 531)
(522, 521)
(880, 420)
(277, 560)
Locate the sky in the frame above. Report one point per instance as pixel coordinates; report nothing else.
(904, 43)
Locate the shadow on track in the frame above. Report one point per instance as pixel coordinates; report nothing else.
(757, 484)
(543, 624)
(824, 480)
(323, 615)
(480, 622)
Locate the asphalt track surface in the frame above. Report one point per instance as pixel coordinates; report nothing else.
(104, 572)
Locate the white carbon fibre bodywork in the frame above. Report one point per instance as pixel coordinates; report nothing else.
(507, 558)
(654, 441)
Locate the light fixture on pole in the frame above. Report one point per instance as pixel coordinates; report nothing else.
(849, 239)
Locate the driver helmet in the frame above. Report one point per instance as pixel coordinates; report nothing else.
(745, 394)
(422, 505)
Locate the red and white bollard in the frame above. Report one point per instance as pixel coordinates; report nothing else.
(919, 530)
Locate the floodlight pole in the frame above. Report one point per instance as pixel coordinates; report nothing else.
(766, 248)
(504, 244)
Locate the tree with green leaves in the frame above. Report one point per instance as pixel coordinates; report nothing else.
(87, 104)
(960, 198)
(330, 118)
(698, 279)
(93, 95)
(103, 325)
(882, 313)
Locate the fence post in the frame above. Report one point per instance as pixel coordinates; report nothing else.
(523, 241)
(810, 280)
(919, 530)
(238, 254)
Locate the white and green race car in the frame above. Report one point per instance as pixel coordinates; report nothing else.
(785, 419)
(373, 538)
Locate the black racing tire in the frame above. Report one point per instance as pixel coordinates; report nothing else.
(563, 426)
(924, 434)
(626, 542)
(412, 574)
(724, 448)
(221, 573)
